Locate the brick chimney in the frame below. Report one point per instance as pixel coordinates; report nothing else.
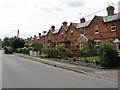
(44, 32)
(39, 34)
(82, 20)
(34, 37)
(52, 28)
(110, 10)
(64, 23)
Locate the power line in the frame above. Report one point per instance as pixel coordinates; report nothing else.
(95, 12)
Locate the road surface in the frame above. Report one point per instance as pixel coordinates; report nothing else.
(18, 72)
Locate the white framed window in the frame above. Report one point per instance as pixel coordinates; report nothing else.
(81, 45)
(96, 29)
(118, 47)
(112, 27)
(97, 44)
(62, 34)
(71, 34)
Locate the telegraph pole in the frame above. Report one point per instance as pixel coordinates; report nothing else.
(17, 33)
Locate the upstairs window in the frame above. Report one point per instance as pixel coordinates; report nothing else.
(62, 35)
(113, 26)
(96, 29)
(71, 34)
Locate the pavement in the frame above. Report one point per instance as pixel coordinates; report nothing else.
(108, 74)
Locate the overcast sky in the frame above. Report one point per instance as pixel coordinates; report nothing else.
(35, 16)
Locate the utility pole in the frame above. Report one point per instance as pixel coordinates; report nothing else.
(17, 33)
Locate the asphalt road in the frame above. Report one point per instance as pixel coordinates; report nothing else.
(18, 72)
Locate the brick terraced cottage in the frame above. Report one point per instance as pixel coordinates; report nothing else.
(85, 33)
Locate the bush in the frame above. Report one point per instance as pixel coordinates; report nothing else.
(107, 53)
(37, 46)
(60, 48)
(19, 50)
(30, 48)
(43, 55)
(25, 50)
(44, 48)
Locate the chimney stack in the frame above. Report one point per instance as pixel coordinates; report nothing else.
(64, 23)
(53, 27)
(34, 37)
(110, 10)
(44, 31)
(82, 20)
(39, 34)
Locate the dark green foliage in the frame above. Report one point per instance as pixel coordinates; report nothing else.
(107, 53)
(6, 42)
(37, 46)
(13, 42)
(77, 46)
(60, 48)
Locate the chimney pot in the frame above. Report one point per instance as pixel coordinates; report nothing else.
(53, 27)
(64, 23)
(110, 10)
(39, 34)
(44, 31)
(82, 20)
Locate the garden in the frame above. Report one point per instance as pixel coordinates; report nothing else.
(106, 56)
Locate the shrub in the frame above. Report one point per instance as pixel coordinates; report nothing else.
(43, 55)
(37, 46)
(25, 50)
(44, 48)
(19, 50)
(30, 48)
(74, 59)
(107, 53)
(77, 46)
(60, 48)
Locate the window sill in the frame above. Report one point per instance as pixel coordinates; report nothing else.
(113, 30)
(96, 33)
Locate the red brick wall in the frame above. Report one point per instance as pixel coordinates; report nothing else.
(76, 34)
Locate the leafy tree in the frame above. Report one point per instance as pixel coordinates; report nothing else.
(107, 53)
(37, 46)
(13, 42)
(17, 42)
(6, 42)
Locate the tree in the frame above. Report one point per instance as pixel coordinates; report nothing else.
(108, 54)
(13, 42)
(37, 46)
(6, 42)
(17, 42)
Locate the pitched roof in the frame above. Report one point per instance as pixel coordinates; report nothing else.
(75, 24)
(65, 27)
(56, 31)
(110, 18)
(44, 34)
(85, 24)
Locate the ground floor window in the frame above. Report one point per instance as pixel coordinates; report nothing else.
(81, 45)
(119, 46)
(97, 44)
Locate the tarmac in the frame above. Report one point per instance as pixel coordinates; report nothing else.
(109, 74)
